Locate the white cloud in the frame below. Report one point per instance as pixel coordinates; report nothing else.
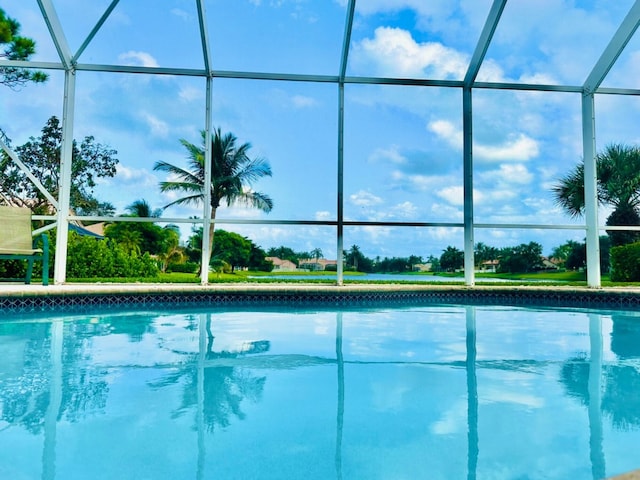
(448, 132)
(284, 99)
(539, 78)
(404, 210)
(391, 154)
(158, 127)
(323, 215)
(515, 173)
(423, 183)
(365, 199)
(393, 51)
(454, 195)
(190, 94)
(491, 71)
(141, 59)
(302, 101)
(376, 234)
(445, 233)
(138, 176)
(178, 12)
(517, 147)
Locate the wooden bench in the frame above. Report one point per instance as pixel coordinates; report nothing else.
(17, 242)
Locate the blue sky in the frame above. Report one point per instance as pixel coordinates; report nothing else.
(403, 144)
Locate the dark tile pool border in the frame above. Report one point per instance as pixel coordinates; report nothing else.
(120, 298)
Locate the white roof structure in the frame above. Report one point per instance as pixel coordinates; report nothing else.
(385, 121)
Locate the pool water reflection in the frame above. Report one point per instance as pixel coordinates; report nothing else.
(445, 392)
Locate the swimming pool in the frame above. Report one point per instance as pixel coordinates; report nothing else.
(435, 391)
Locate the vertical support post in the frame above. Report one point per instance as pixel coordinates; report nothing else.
(590, 190)
(206, 208)
(66, 158)
(340, 206)
(467, 124)
(346, 41)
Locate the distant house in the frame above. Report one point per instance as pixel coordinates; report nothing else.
(422, 267)
(282, 265)
(489, 266)
(549, 264)
(316, 264)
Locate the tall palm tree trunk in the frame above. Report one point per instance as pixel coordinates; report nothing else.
(212, 227)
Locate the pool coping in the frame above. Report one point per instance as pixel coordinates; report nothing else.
(20, 298)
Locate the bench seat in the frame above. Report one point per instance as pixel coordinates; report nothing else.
(18, 243)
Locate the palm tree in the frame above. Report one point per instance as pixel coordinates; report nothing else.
(172, 251)
(232, 174)
(141, 208)
(317, 254)
(148, 235)
(618, 175)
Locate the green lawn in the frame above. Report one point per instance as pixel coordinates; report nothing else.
(542, 278)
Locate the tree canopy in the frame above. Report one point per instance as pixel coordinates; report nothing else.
(233, 172)
(618, 176)
(91, 160)
(16, 47)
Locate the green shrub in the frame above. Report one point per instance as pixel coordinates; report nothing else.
(186, 267)
(89, 257)
(625, 263)
(13, 269)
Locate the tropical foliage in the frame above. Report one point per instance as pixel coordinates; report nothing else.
(231, 249)
(452, 259)
(139, 236)
(526, 257)
(91, 160)
(16, 47)
(618, 177)
(625, 263)
(90, 257)
(233, 173)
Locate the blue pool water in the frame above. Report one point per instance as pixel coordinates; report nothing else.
(437, 392)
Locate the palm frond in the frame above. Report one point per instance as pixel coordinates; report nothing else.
(189, 200)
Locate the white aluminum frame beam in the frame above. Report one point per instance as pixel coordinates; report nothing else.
(95, 30)
(467, 161)
(467, 126)
(602, 67)
(206, 201)
(57, 33)
(66, 149)
(346, 42)
(484, 41)
(611, 53)
(64, 199)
